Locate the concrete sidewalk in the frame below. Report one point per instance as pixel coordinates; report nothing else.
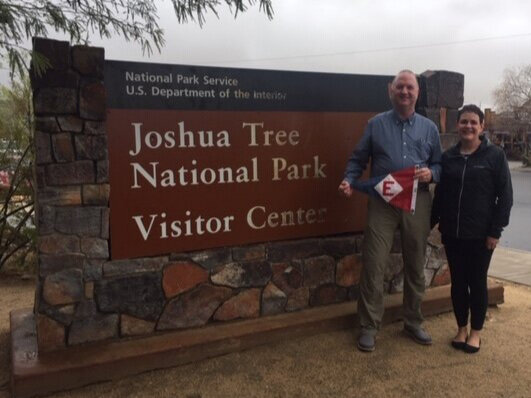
(518, 166)
(511, 265)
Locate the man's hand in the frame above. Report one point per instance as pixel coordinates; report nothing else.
(423, 174)
(345, 188)
(491, 242)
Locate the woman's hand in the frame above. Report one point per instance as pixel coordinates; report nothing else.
(491, 242)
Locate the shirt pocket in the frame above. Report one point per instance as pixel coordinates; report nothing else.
(420, 151)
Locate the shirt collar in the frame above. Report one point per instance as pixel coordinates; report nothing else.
(410, 120)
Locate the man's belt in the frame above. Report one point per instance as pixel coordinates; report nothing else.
(424, 186)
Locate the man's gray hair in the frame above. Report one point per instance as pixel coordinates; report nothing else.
(405, 71)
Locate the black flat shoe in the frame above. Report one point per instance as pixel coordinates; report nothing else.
(458, 345)
(470, 349)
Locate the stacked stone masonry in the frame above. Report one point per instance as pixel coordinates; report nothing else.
(441, 95)
(84, 297)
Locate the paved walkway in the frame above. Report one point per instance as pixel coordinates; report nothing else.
(512, 265)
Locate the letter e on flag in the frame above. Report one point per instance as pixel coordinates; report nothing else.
(399, 189)
(388, 188)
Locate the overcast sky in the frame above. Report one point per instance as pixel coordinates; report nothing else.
(477, 38)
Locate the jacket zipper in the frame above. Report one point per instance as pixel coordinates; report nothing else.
(460, 194)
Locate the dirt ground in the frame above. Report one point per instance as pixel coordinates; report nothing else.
(329, 365)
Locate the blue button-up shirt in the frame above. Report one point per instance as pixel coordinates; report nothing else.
(393, 144)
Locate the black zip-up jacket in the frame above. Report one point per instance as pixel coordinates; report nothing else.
(473, 200)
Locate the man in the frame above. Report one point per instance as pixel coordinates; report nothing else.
(394, 140)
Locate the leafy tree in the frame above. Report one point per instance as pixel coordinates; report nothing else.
(20, 20)
(17, 228)
(134, 20)
(15, 112)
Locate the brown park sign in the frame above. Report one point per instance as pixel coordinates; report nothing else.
(207, 157)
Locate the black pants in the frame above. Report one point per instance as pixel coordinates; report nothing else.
(469, 261)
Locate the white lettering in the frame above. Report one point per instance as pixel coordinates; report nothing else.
(188, 227)
(150, 178)
(270, 137)
(259, 218)
(192, 175)
(187, 139)
(140, 224)
(281, 170)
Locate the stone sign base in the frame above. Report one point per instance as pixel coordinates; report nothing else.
(38, 374)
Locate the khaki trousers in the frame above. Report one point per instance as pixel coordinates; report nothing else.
(383, 221)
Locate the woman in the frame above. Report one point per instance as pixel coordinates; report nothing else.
(472, 205)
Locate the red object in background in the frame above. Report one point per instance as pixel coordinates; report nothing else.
(4, 179)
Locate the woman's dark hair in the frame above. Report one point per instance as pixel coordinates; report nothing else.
(471, 109)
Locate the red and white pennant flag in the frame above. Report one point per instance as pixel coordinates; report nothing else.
(398, 188)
